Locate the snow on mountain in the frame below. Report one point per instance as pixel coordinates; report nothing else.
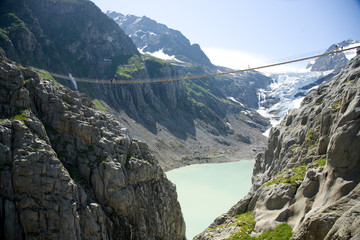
(351, 53)
(335, 61)
(160, 41)
(160, 54)
(287, 88)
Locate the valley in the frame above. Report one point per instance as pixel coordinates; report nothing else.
(97, 160)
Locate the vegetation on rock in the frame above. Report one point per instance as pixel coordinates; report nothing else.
(293, 176)
(128, 70)
(246, 222)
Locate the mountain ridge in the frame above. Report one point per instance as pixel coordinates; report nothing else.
(150, 36)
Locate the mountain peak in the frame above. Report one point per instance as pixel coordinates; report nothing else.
(151, 37)
(335, 61)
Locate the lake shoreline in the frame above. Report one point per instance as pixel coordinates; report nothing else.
(201, 187)
(223, 158)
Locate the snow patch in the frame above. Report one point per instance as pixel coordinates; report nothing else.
(351, 53)
(160, 54)
(141, 50)
(235, 101)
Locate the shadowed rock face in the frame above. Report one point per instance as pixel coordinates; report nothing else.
(309, 174)
(172, 117)
(68, 171)
(63, 36)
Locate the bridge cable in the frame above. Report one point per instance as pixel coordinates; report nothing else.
(113, 81)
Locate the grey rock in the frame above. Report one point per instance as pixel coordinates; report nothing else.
(64, 175)
(325, 203)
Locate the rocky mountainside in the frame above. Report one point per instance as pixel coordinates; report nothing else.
(63, 36)
(69, 171)
(306, 185)
(148, 36)
(288, 89)
(183, 122)
(157, 39)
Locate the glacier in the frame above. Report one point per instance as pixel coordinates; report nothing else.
(287, 89)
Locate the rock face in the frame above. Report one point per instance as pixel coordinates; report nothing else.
(309, 175)
(63, 36)
(68, 171)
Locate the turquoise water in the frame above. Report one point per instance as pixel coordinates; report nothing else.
(206, 191)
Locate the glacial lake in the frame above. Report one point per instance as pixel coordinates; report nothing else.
(206, 191)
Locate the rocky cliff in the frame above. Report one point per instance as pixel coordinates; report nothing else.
(183, 122)
(306, 183)
(69, 171)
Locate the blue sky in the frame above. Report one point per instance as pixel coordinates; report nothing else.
(235, 33)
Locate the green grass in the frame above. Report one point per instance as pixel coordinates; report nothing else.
(46, 75)
(310, 136)
(99, 105)
(126, 71)
(23, 116)
(202, 91)
(320, 162)
(281, 232)
(299, 174)
(247, 222)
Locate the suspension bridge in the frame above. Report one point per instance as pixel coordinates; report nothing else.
(121, 82)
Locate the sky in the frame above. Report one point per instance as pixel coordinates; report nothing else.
(242, 33)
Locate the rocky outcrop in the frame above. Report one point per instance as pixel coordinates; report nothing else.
(68, 171)
(309, 175)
